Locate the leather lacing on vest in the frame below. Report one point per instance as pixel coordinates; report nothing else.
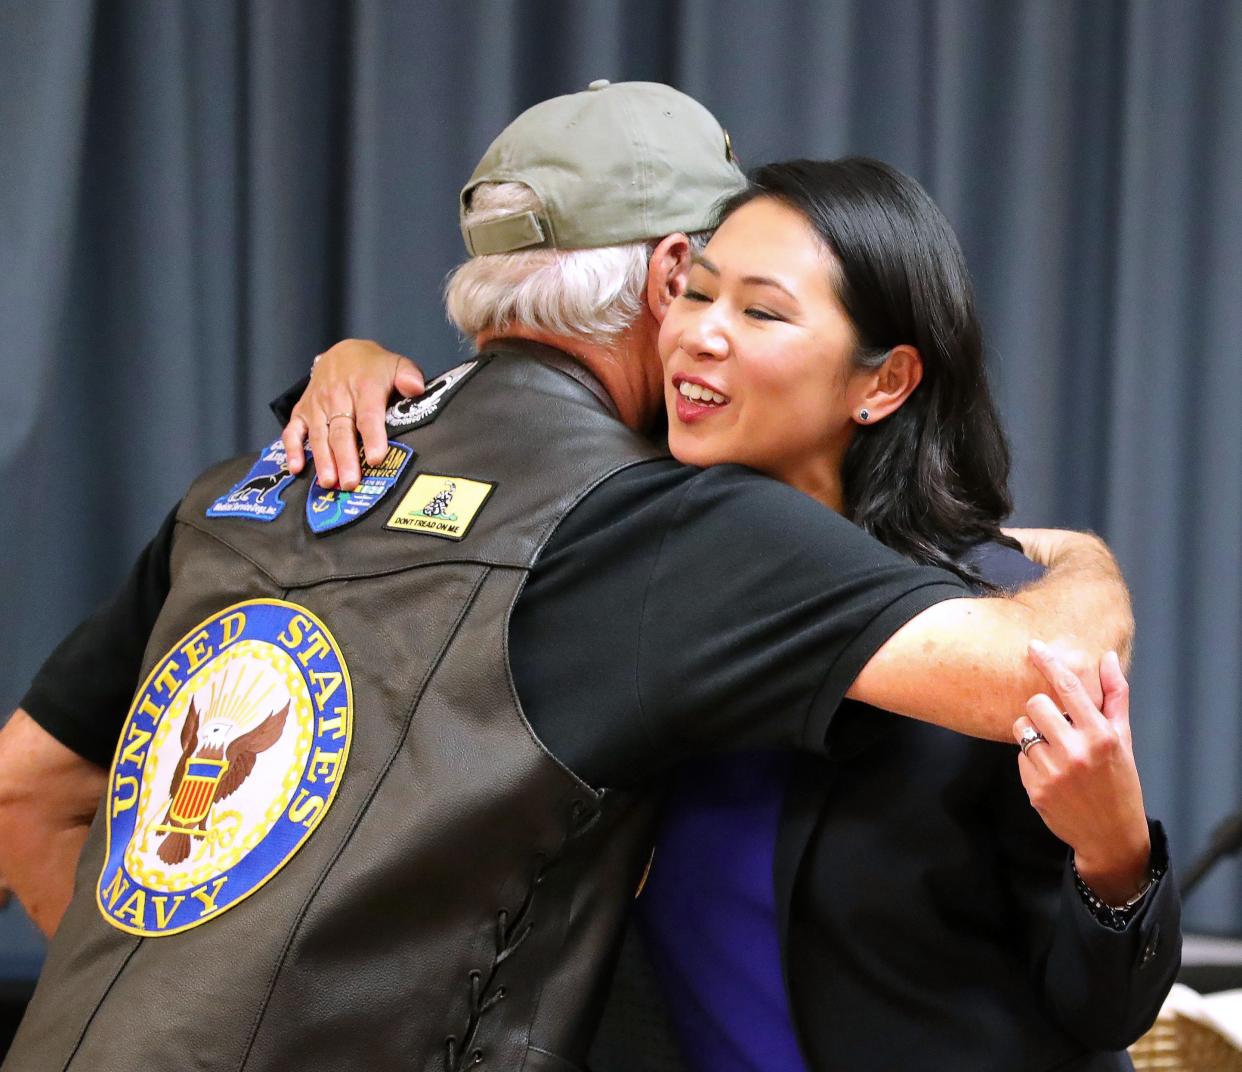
(511, 932)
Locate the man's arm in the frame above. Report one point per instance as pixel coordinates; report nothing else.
(55, 746)
(48, 797)
(964, 664)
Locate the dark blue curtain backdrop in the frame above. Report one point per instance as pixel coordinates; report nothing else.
(196, 197)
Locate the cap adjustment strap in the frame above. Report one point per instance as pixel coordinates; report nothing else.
(505, 234)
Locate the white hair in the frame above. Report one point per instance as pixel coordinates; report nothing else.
(587, 293)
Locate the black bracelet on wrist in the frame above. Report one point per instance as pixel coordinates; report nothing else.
(1115, 917)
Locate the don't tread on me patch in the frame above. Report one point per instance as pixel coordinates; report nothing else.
(438, 505)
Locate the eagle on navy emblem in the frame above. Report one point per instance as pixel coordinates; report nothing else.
(210, 770)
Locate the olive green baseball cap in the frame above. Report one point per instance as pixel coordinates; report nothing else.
(612, 164)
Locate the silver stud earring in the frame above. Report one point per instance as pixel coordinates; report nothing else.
(864, 415)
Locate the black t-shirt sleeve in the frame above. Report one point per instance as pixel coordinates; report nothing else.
(82, 693)
(762, 609)
(678, 611)
(282, 405)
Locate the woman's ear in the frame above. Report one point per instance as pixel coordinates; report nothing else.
(666, 273)
(883, 391)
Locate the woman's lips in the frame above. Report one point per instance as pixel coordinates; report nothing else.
(697, 399)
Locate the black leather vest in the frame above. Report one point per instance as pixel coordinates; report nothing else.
(329, 724)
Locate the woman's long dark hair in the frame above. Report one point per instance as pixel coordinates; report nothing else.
(931, 479)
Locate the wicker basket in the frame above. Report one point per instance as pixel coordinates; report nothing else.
(1178, 1044)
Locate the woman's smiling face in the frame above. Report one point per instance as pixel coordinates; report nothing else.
(757, 354)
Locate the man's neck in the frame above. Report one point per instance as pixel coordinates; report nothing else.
(628, 370)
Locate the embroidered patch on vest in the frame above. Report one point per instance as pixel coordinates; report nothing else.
(230, 757)
(415, 412)
(440, 505)
(331, 508)
(257, 495)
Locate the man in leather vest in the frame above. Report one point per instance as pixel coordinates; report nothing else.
(355, 814)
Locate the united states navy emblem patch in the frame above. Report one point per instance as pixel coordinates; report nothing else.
(257, 495)
(331, 508)
(415, 412)
(230, 757)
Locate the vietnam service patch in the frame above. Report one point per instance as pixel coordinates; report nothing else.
(415, 412)
(328, 509)
(257, 495)
(444, 506)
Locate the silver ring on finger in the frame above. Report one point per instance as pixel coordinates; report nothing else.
(1030, 738)
(348, 413)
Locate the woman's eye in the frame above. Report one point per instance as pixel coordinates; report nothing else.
(762, 314)
(694, 295)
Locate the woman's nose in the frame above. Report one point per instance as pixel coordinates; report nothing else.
(708, 336)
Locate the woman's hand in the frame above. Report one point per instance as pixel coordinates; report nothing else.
(348, 394)
(1082, 779)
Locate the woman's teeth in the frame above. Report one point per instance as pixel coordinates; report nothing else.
(698, 393)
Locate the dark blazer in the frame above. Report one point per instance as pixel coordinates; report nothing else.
(929, 919)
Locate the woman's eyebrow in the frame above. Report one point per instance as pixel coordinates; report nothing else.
(768, 281)
(758, 280)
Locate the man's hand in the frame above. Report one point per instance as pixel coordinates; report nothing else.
(1059, 549)
(1043, 545)
(348, 394)
(48, 797)
(1082, 778)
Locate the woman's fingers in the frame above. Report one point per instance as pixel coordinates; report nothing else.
(337, 458)
(1038, 764)
(343, 442)
(1048, 719)
(293, 437)
(1041, 753)
(371, 404)
(348, 397)
(408, 379)
(1067, 687)
(1116, 695)
(325, 469)
(351, 384)
(1116, 688)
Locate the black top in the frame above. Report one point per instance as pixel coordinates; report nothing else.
(927, 917)
(955, 932)
(674, 610)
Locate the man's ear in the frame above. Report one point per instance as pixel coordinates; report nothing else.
(666, 273)
(883, 391)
